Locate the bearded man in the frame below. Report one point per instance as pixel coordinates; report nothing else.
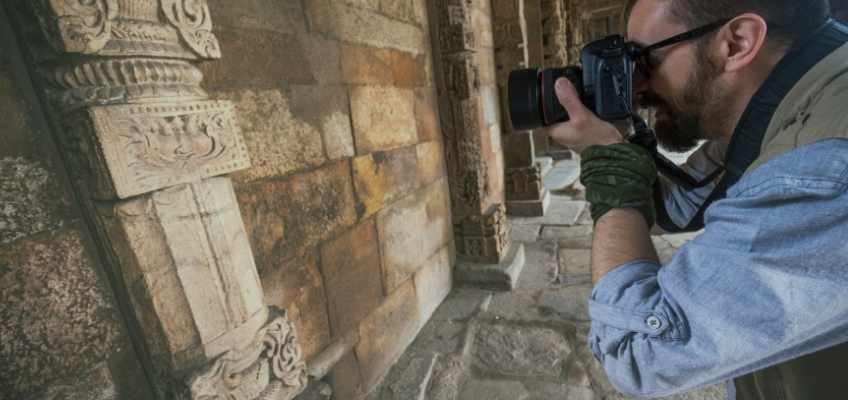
(760, 297)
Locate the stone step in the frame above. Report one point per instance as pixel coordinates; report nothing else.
(412, 382)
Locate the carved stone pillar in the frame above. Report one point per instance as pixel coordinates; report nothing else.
(149, 152)
(558, 40)
(518, 44)
(555, 33)
(469, 108)
(593, 20)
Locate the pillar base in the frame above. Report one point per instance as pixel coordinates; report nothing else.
(529, 208)
(546, 164)
(503, 276)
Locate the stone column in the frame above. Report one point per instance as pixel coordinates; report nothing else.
(518, 44)
(555, 34)
(557, 39)
(470, 118)
(592, 20)
(149, 153)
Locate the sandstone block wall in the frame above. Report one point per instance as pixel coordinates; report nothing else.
(346, 205)
(61, 326)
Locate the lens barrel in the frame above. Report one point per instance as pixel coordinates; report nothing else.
(532, 99)
(524, 93)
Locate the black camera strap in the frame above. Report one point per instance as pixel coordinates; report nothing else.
(745, 144)
(644, 136)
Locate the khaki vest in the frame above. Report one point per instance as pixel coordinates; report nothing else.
(815, 109)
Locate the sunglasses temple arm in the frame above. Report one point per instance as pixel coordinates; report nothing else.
(686, 36)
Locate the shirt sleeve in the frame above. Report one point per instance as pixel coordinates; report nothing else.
(765, 282)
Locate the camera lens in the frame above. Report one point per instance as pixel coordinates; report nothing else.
(525, 99)
(532, 99)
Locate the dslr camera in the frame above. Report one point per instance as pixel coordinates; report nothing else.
(605, 85)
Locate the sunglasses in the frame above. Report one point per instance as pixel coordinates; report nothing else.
(642, 56)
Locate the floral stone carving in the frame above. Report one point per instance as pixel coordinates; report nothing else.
(79, 26)
(271, 368)
(191, 18)
(144, 148)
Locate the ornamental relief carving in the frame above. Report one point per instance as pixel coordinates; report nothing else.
(192, 20)
(123, 80)
(524, 181)
(484, 238)
(143, 31)
(462, 77)
(174, 142)
(178, 143)
(492, 224)
(78, 26)
(150, 147)
(271, 368)
(174, 28)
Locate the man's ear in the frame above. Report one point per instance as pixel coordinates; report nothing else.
(741, 40)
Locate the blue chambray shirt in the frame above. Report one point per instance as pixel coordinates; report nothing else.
(766, 281)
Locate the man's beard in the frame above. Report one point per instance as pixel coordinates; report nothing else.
(680, 120)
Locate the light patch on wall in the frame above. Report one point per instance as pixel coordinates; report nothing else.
(338, 136)
(495, 137)
(278, 141)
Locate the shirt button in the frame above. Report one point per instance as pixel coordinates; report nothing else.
(654, 322)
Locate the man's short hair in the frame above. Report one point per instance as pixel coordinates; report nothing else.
(788, 20)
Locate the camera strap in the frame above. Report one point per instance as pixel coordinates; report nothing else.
(745, 144)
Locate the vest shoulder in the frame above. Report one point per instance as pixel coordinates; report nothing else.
(815, 109)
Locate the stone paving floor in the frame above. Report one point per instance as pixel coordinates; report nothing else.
(527, 344)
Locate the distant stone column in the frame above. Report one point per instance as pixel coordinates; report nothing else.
(558, 39)
(149, 152)
(555, 33)
(518, 44)
(470, 114)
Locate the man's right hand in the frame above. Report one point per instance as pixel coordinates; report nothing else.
(584, 128)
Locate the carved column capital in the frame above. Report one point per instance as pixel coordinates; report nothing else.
(180, 29)
(77, 26)
(191, 18)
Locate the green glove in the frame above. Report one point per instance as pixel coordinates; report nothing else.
(619, 176)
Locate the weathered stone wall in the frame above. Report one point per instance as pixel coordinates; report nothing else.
(61, 330)
(346, 205)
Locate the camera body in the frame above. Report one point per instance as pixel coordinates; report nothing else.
(604, 82)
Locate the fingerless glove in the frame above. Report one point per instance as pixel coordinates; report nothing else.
(621, 175)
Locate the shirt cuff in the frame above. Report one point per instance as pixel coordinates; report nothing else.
(612, 285)
(629, 300)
